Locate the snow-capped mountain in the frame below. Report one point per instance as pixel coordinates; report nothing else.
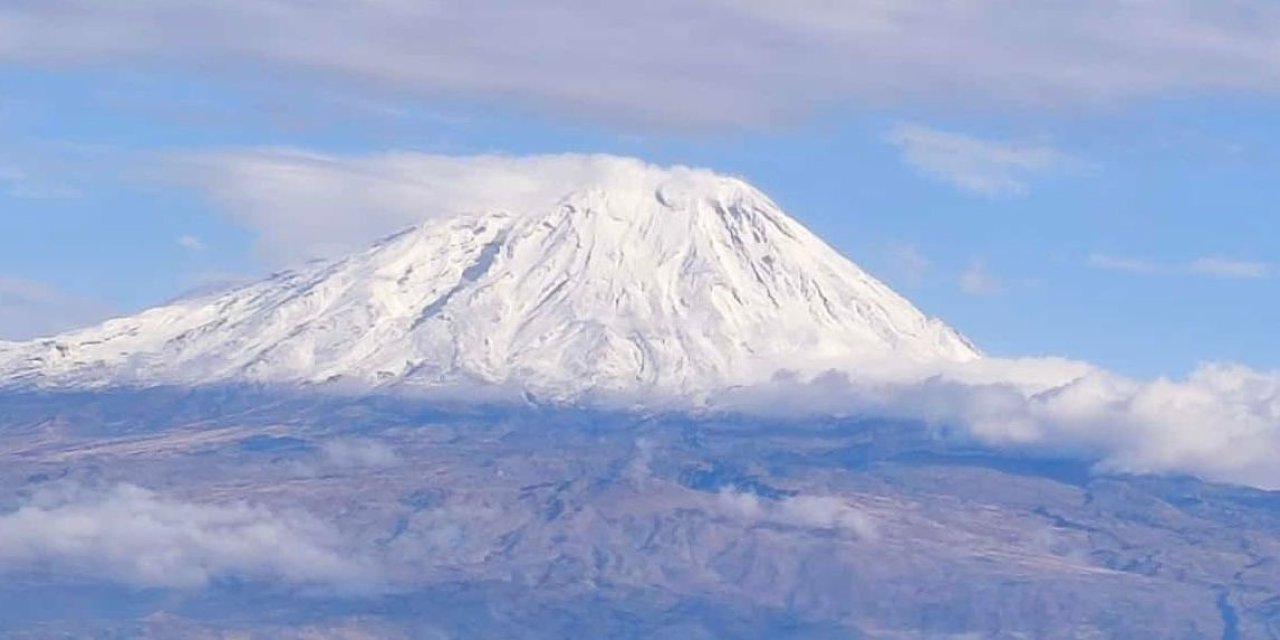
(660, 280)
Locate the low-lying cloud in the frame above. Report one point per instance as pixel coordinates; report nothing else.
(1220, 423)
(805, 511)
(358, 453)
(134, 536)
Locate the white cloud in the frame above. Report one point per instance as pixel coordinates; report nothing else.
(1124, 263)
(30, 309)
(977, 280)
(1207, 266)
(342, 456)
(685, 62)
(907, 260)
(1228, 268)
(134, 536)
(1221, 423)
(807, 511)
(357, 453)
(19, 183)
(973, 164)
(305, 205)
(191, 243)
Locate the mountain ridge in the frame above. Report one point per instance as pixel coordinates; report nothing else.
(677, 281)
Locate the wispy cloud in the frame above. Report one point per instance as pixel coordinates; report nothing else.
(624, 60)
(1124, 263)
(30, 309)
(909, 262)
(1207, 266)
(191, 243)
(806, 511)
(977, 280)
(16, 182)
(357, 453)
(975, 165)
(1228, 268)
(304, 205)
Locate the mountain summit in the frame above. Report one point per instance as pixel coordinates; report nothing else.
(655, 280)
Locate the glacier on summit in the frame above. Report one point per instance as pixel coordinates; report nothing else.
(670, 280)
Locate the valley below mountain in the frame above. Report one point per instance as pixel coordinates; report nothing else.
(246, 513)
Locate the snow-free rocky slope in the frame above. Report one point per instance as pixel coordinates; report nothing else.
(656, 280)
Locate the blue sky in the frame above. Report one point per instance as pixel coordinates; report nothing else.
(1048, 182)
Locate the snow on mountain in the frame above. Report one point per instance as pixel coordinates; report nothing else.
(656, 280)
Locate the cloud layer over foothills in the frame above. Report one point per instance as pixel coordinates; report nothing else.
(135, 536)
(1220, 423)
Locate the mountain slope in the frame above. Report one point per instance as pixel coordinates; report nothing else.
(672, 280)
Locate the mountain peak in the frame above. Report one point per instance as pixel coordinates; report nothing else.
(648, 279)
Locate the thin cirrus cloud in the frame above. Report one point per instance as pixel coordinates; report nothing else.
(1228, 268)
(30, 309)
(17, 182)
(1211, 266)
(191, 243)
(977, 280)
(972, 164)
(908, 262)
(682, 63)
